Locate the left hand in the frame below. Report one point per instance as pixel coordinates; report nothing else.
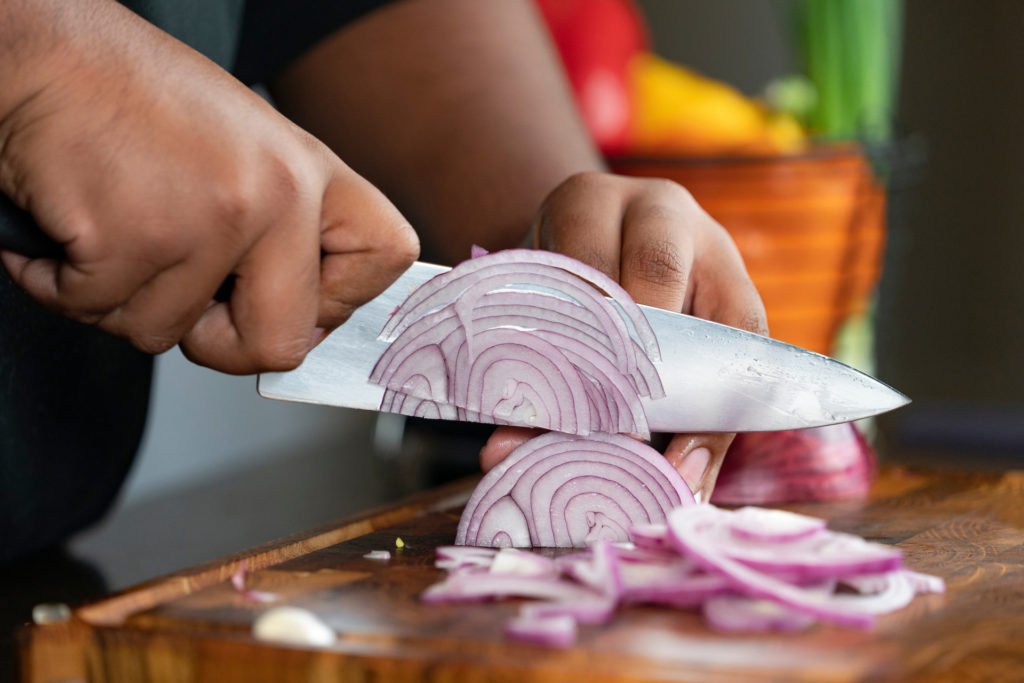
(666, 251)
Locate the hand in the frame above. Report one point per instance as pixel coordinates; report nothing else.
(666, 251)
(162, 175)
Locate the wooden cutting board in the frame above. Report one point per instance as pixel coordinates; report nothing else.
(192, 626)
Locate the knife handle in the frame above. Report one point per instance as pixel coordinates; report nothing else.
(20, 233)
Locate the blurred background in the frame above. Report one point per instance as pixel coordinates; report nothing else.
(866, 154)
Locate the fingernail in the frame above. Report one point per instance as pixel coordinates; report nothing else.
(693, 467)
(318, 336)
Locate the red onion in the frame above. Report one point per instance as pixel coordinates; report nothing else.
(552, 631)
(469, 586)
(755, 524)
(563, 490)
(525, 338)
(825, 463)
(694, 531)
(240, 581)
(691, 566)
(513, 561)
(598, 609)
(735, 614)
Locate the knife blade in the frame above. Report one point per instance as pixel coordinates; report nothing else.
(717, 378)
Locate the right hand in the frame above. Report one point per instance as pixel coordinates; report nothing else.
(162, 175)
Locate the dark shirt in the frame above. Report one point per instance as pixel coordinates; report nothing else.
(73, 400)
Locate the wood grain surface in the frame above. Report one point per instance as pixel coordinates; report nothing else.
(192, 626)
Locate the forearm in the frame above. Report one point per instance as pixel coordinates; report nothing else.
(455, 108)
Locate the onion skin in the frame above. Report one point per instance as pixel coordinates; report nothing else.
(772, 468)
(599, 486)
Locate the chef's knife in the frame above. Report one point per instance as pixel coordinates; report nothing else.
(716, 378)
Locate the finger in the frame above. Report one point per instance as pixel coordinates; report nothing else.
(503, 441)
(582, 219)
(367, 244)
(41, 280)
(269, 323)
(85, 292)
(724, 291)
(657, 254)
(698, 458)
(168, 306)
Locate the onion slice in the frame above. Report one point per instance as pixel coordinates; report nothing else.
(688, 568)
(688, 528)
(524, 338)
(564, 491)
(778, 526)
(552, 631)
(735, 614)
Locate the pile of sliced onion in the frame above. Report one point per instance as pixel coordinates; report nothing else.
(825, 463)
(521, 337)
(748, 570)
(560, 490)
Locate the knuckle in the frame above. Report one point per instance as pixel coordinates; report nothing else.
(658, 263)
(756, 322)
(287, 177)
(234, 204)
(599, 259)
(672, 191)
(579, 183)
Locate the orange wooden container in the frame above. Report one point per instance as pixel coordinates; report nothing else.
(810, 227)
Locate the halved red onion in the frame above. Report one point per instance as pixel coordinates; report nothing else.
(448, 286)
(563, 490)
(526, 338)
(825, 463)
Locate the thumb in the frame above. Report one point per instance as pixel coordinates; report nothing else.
(503, 441)
(698, 458)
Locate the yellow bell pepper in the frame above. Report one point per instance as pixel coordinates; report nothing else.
(677, 111)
